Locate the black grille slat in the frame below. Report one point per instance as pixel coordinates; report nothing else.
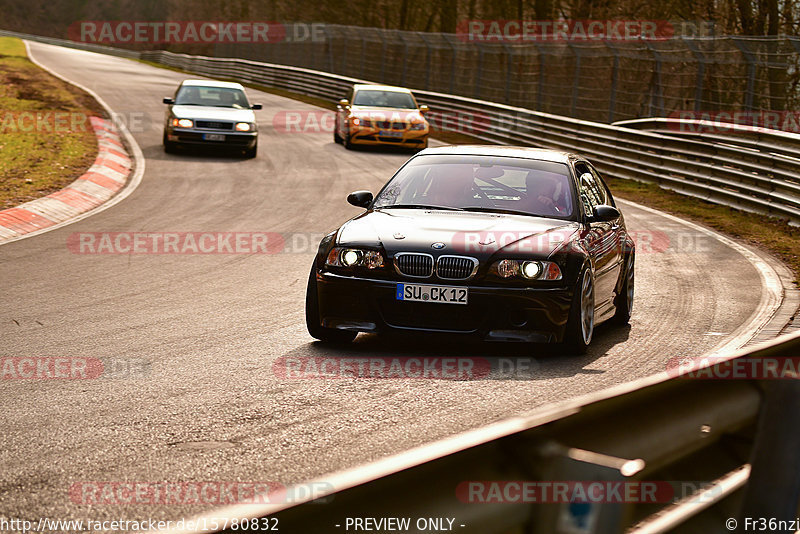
(398, 126)
(455, 267)
(213, 125)
(416, 265)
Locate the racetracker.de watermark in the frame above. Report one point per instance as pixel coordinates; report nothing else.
(195, 492)
(304, 121)
(579, 491)
(113, 32)
(193, 242)
(71, 368)
(733, 122)
(580, 30)
(722, 368)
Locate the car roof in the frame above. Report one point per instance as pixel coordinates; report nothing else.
(212, 83)
(376, 87)
(542, 154)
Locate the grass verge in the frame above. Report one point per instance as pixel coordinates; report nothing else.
(769, 234)
(46, 140)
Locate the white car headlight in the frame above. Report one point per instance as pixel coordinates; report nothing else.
(528, 269)
(244, 127)
(353, 257)
(183, 123)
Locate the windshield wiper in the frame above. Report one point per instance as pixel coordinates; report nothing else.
(421, 207)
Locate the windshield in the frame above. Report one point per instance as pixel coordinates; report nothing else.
(221, 97)
(384, 99)
(482, 183)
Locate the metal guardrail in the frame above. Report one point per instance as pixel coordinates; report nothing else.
(750, 180)
(708, 436)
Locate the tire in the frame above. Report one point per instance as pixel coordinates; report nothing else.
(169, 146)
(336, 137)
(250, 153)
(580, 326)
(317, 331)
(624, 303)
(346, 142)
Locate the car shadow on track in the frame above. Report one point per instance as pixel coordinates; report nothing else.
(156, 152)
(490, 361)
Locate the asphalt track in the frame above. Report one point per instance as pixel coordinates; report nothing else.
(207, 329)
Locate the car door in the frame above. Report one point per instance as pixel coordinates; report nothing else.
(602, 240)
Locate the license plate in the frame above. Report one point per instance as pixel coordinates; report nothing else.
(389, 133)
(213, 137)
(437, 294)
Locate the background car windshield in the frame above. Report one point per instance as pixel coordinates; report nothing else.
(212, 96)
(384, 99)
(482, 183)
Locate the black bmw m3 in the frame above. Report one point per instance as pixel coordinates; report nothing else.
(501, 243)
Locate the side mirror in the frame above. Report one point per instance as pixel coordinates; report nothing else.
(605, 213)
(167, 100)
(256, 107)
(424, 109)
(362, 199)
(344, 102)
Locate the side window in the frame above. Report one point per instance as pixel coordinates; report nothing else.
(601, 184)
(591, 195)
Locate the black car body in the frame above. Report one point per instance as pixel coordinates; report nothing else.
(525, 245)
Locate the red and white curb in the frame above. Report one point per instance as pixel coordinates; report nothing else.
(104, 178)
(116, 173)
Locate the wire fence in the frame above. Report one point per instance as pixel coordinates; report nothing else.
(593, 80)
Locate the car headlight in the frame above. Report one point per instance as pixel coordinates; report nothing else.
(417, 126)
(355, 257)
(527, 269)
(244, 127)
(183, 123)
(364, 123)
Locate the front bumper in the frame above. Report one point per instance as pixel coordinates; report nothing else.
(372, 136)
(239, 140)
(493, 313)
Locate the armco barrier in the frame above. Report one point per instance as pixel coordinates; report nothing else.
(696, 435)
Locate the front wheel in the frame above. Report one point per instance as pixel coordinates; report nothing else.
(580, 326)
(317, 331)
(169, 146)
(251, 152)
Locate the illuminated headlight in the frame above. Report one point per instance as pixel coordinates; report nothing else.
(353, 257)
(244, 127)
(417, 126)
(183, 123)
(530, 270)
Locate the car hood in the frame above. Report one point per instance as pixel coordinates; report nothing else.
(214, 113)
(386, 114)
(480, 235)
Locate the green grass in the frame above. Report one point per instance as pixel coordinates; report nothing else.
(40, 156)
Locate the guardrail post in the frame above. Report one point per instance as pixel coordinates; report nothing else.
(773, 489)
(540, 91)
(384, 46)
(405, 56)
(329, 43)
(701, 71)
(612, 99)
(576, 78)
(656, 90)
(427, 60)
(751, 72)
(479, 72)
(509, 70)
